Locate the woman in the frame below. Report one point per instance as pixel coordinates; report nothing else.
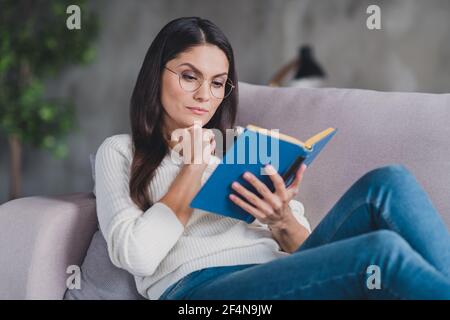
(383, 239)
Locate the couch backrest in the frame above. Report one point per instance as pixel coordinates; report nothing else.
(375, 129)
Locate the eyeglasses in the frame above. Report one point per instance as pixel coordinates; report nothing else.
(190, 81)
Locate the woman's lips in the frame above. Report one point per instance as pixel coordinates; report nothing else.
(197, 110)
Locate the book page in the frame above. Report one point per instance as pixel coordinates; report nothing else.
(308, 144)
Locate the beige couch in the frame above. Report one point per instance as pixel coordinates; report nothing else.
(41, 236)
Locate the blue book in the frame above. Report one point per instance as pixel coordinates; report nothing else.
(251, 151)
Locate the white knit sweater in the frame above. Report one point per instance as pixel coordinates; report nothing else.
(154, 245)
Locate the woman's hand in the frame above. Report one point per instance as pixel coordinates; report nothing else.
(188, 181)
(273, 209)
(195, 144)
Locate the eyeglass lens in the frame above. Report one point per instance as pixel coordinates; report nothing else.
(220, 87)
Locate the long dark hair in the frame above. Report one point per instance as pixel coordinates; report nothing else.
(146, 110)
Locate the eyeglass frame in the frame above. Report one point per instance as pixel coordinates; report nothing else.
(210, 90)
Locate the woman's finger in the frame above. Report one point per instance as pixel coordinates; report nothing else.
(247, 207)
(295, 185)
(278, 182)
(263, 190)
(252, 198)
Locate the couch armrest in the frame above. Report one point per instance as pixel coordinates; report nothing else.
(39, 238)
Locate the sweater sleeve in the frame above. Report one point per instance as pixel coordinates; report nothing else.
(137, 241)
(299, 212)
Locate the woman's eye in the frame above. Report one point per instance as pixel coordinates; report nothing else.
(217, 84)
(188, 77)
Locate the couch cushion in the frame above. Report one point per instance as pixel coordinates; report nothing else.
(100, 279)
(40, 237)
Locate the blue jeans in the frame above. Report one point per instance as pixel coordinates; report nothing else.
(383, 239)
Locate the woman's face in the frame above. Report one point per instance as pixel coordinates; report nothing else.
(202, 62)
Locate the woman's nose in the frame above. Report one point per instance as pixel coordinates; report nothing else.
(203, 93)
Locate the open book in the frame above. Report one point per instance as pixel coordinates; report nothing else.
(251, 151)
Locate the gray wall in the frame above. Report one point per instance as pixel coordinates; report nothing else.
(410, 53)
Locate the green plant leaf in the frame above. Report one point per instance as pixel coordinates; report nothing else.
(46, 113)
(38, 39)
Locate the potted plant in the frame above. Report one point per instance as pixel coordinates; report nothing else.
(35, 44)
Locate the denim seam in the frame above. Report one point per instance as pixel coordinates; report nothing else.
(390, 224)
(318, 283)
(389, 221)
(179, 283)
(390, 291)
(202, 284)
(346, 217)
(393, 293)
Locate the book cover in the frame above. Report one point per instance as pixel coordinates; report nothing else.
(251, 151)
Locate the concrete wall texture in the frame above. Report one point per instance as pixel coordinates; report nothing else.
(410, 53)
